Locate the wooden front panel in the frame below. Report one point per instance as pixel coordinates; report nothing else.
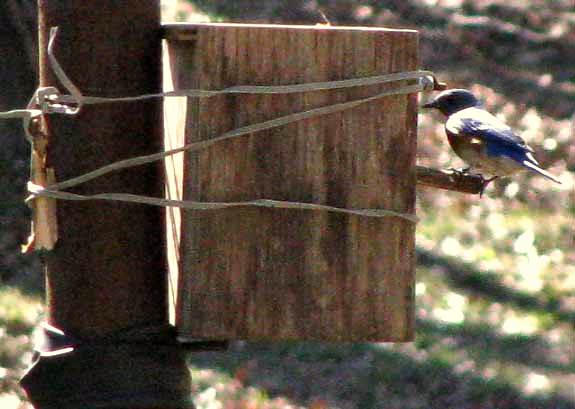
(275, 274)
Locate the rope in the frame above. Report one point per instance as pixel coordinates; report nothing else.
(50, 100)
(39, 191)
(235, 133)
(27, 115)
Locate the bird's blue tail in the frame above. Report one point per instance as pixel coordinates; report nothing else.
(526, 159)
(531, 166)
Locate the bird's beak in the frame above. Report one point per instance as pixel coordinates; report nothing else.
(429, 105)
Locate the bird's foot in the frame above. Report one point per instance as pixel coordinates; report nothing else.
(462, 171)
(466, 171)
(485, 183)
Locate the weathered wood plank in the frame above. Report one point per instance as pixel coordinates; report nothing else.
(253, 273)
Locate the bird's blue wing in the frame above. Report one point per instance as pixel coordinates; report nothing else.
(478, 127)
(478, 123)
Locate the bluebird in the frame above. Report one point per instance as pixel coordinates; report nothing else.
(481, 140)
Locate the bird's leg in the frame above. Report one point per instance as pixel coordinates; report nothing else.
(485, 183)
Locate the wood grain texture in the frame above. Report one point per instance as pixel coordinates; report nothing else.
(277, 274)
(107, 270)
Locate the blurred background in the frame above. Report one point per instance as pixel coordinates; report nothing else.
(495, 286)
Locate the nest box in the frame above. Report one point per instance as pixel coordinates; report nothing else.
(288, 274)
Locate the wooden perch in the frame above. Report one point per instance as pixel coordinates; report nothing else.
(450, 180)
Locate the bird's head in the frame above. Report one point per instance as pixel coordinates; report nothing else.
(453, 100)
